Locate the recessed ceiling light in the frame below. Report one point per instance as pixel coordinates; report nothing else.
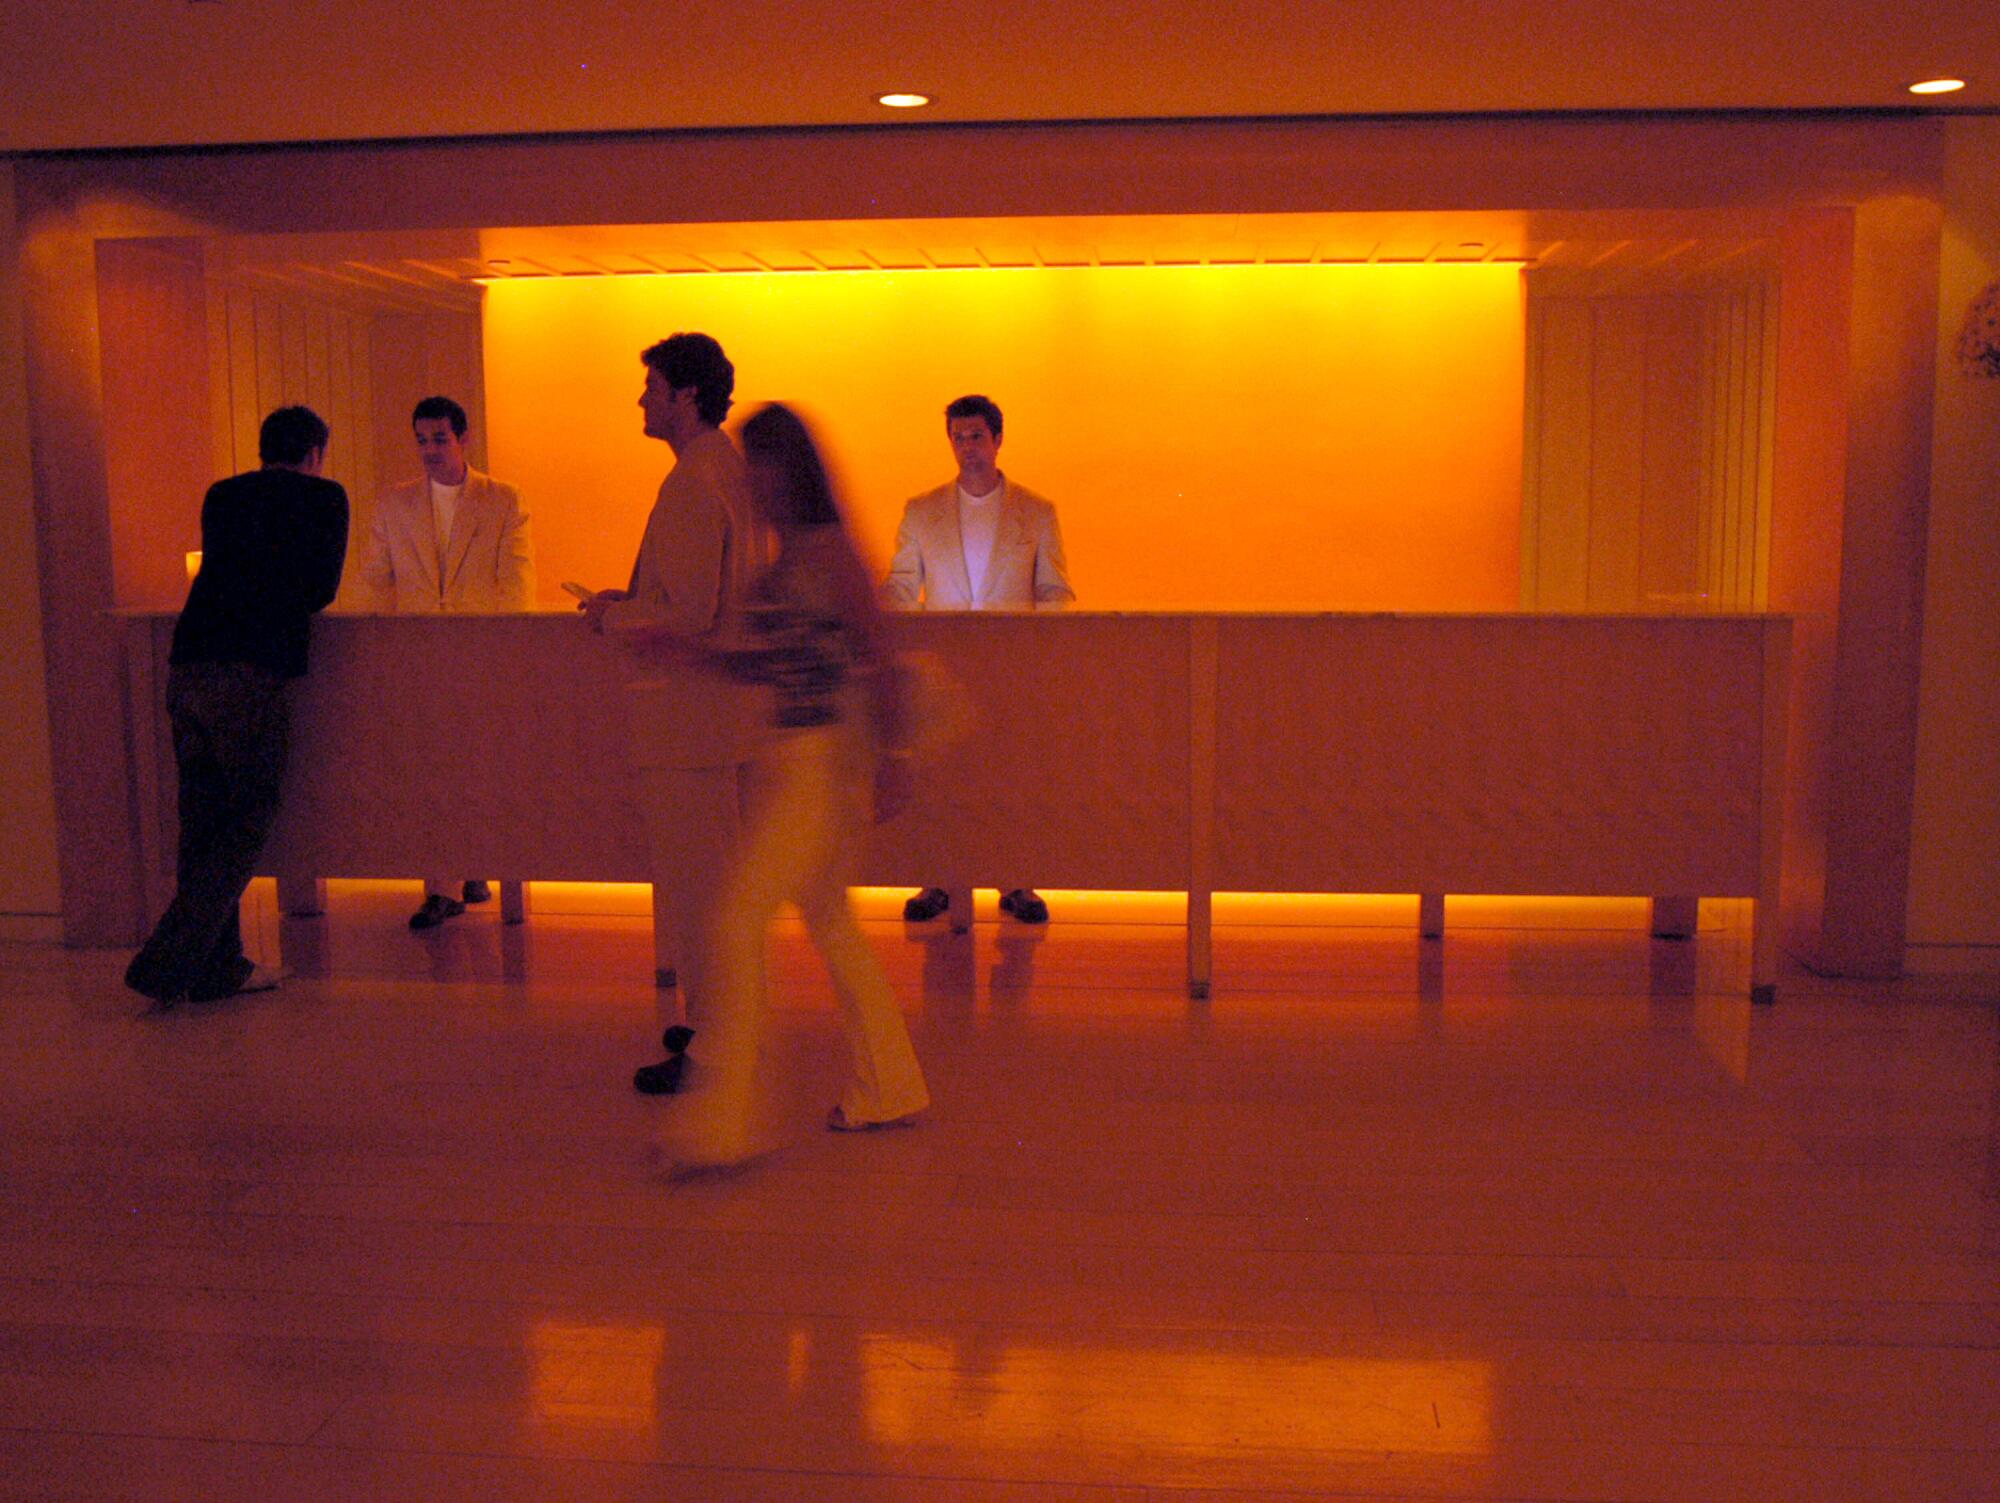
(1938, 86)
(903, 101)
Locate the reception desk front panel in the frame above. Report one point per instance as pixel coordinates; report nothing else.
(1556, 755)
(1075, 773)
(1303, 753)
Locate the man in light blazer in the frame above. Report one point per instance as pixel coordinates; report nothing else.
(978, 542)
(455, 540)
(692, 728)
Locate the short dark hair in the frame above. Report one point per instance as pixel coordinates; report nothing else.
(695, 360)
(976, 406)
(290, 434)
(433, 409)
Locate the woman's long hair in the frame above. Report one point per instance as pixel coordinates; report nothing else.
(777, 436)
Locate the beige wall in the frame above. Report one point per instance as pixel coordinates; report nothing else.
(30, 892)
(169, 333)
(1955, 856)
(361, 369)
(1215, 437)
(412, 356)
(1647, 451)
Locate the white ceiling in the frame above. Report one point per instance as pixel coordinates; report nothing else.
(99, 73)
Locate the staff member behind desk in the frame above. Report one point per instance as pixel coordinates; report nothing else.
(455, 541)
(977, 543)
(272, 544)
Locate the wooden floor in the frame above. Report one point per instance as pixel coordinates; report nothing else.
(1548, 1212)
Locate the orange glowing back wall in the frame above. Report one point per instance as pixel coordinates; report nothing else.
(1320, 437)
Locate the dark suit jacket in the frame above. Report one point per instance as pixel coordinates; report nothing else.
(272, 545)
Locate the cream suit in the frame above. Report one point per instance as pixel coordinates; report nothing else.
(488, 562)
(1026, 567)
(692, 729)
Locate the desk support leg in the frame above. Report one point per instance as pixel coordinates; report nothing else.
(1430, 915)
(301, 896)
(1201, 957)
(1764, 920)
(663, 943)
(1204, 668)
(513, 902)
(1676, 916)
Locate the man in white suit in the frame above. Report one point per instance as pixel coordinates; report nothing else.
(455, 540)
(978, 542)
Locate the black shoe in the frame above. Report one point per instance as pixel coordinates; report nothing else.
(1026, 905)
(161, 994)
(476, 892)
(437, 908)
(259, 978)
(926, 905)
(662, 1079)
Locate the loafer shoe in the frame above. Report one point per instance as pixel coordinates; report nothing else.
(661, 1079)
(926, 905)
(1026, 905)
(437, 908)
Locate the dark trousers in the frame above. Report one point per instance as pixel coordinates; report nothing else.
(231, 724)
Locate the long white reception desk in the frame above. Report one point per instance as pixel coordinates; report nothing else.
(1429, 754)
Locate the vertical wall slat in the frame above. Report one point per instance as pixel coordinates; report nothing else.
(292, 339)
(246, 396)
(1617, 451)
(221, 411)
(1531, 454)
(1767, 408)
(270, 347)
(1563, 495)
(1733, 451)
(1704, 568)
(1671, 478)
(361, 426)
(318, 386)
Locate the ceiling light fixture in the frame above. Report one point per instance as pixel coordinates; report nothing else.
(903, 101)
(1938, 86)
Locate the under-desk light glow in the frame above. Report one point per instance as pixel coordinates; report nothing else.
(1938, 86)
(903, 101)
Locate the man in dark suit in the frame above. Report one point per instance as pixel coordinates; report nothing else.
(272, 544)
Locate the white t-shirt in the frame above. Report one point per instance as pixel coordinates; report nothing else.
(978, 526)
(444, 507)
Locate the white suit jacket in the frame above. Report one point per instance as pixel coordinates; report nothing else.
(489, 560)
(1026, 568)
(701, 553)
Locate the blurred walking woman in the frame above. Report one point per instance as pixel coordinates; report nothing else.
(814, 632)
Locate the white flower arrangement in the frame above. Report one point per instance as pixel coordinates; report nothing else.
(1979, 340)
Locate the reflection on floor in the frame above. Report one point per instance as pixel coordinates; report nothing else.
(1544, 1211)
